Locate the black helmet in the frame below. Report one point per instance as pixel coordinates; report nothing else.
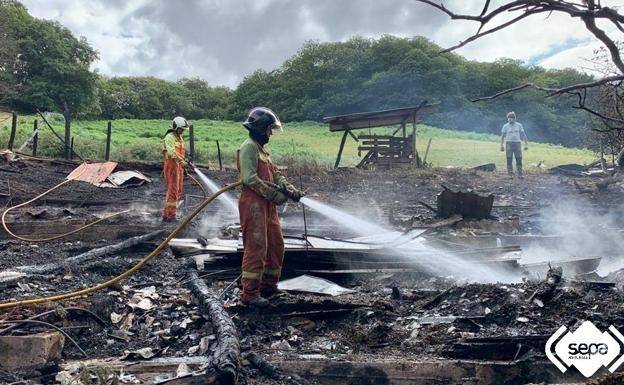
(260, 118)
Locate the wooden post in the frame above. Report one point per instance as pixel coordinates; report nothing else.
(35, 138)
(191, 143)
(219, 155)
(427, 151)
(109, 131)
(342, 143)
(71, 149)
(603, 166)
(68, 138)
(13, 130)
(55, 133)
(416, 159)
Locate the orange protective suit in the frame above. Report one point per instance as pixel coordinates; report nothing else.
(262, 233)
(173, 170)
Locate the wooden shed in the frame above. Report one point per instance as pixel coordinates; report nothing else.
(382, 150)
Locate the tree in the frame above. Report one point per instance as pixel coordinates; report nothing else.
(53, 71)
(8, 59)
(205, 101)
(372, 74)
(588, 12)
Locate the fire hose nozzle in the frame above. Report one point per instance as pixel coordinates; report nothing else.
(285, 191)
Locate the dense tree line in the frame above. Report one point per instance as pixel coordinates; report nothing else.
(50, 71)
(148, 98)
(372, 74)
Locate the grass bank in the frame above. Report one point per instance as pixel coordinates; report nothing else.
(304, 143)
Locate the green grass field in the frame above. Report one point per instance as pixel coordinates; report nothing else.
(307, 142)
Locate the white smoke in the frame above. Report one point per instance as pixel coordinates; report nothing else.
(580, 229)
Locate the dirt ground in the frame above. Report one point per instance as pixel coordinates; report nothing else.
(405, 316)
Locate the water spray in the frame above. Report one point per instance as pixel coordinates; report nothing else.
(430, 259)
(213, 187)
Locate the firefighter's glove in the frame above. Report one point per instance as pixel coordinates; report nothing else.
(293, 193)
(280, 198)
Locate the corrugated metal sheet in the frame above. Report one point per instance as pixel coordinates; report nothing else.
(128, 177)
(94, 173)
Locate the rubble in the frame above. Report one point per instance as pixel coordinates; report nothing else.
(179, 321)
(467, 204)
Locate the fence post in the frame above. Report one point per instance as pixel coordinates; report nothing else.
(35, 138)
(68, 147)
(13, 130)
(192, 143)
(71, 149)
(109, 130)
(219, 155)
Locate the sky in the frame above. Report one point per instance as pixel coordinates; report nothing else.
(222, 41)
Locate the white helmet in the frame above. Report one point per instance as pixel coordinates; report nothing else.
(179, 122)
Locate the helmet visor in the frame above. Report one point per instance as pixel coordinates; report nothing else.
(276, 127)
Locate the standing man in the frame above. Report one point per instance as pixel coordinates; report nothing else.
(264, 188)
(512, 135)
(174, 164)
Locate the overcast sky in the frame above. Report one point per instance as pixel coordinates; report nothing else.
(222, 41)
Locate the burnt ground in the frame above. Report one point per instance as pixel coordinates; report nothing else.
(401, 316)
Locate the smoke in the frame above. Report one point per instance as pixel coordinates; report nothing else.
(580, 229)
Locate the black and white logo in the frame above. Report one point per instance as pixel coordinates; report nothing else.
(587, 348)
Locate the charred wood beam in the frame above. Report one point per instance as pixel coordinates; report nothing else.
(272, 371)
(76, 260)
(226, 355)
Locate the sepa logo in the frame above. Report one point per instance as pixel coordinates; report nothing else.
(587, 348)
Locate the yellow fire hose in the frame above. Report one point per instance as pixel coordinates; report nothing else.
(6, 228)
(129, 272)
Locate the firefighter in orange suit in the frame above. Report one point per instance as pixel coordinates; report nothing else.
(174, 165)
(264, 187)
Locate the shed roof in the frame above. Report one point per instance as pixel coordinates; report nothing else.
(383, 118)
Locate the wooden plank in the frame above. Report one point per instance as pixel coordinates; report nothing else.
(369, 123)
(379, 137)
(352, 369)
(98, 232)
(378, 118)
(150, 371)
(342, 144)
(353, 136)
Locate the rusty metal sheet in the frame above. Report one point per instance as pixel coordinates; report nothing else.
(94, 173)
